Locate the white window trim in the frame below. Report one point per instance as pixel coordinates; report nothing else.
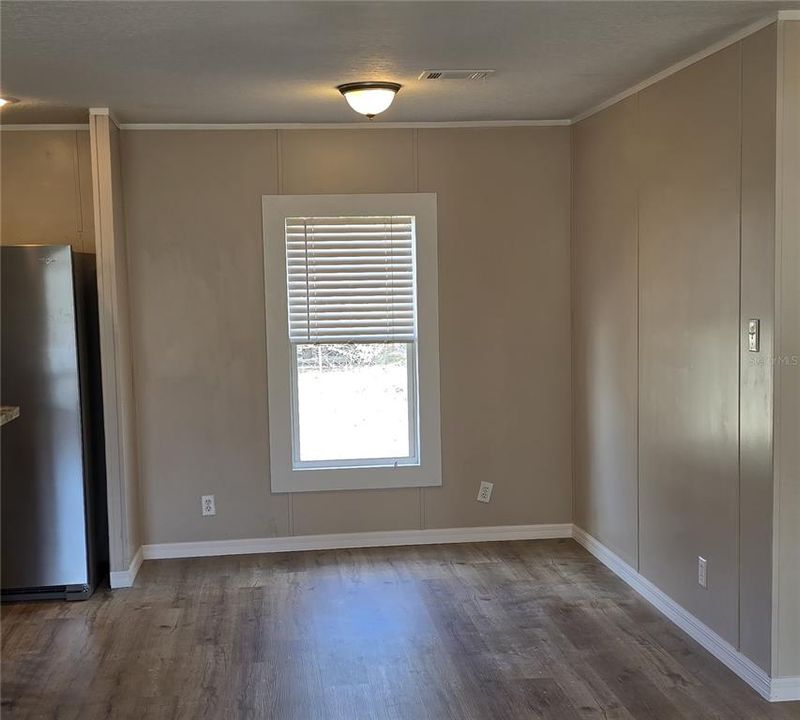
(283, 478)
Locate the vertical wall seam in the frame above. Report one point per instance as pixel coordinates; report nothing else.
(571, 308)
(739, 361)
(279, 160)
(775, 655)
(637, 192)
(572, 332)
(415, 166)
(415, 156)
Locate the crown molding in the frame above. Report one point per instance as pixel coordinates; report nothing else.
(346, 126)
(43, 126)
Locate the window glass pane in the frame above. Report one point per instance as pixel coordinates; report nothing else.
(352, 401)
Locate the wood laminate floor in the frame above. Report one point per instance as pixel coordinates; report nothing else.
(488, 631)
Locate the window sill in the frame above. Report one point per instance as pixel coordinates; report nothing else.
(356, 478)
(356, 466)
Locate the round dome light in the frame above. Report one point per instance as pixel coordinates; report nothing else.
(369, 98)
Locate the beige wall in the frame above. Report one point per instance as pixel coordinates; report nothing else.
(688, 341)
(757, 301)
(46, 188)
(503, 323)
(193, 215)
(662, 182)
(604, 316)
(195, 249)
(786, 652)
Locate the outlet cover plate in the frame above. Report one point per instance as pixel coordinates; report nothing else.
(702, 572)
(485, 492)
(208, 505)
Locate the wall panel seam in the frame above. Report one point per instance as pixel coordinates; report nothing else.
(415, 166)
(572, 332)
(739, 361)
(776, 344)
(637, 194)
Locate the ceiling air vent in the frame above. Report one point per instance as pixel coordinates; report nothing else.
(455, 74)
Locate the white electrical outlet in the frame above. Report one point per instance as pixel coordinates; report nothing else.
(702, 572)
(485, 492)
(208, 505)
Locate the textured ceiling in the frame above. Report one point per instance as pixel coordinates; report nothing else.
(279, 62)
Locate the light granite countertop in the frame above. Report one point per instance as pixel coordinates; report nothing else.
(8, 413)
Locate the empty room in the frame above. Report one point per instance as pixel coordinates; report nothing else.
(400, 360)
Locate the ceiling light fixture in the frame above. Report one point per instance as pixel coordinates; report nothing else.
(369, 98)
(7, 101)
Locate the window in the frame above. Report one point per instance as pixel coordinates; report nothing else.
(352, 341)
(353, 329)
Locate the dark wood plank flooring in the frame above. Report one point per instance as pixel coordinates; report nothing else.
(487, 632)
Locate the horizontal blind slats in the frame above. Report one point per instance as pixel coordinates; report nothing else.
(378, 236)
(351, 279)
(342, 266)
(342, 285)
(361, 321)
(356, 338)
(349, 309)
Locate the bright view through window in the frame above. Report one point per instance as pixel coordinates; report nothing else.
(352, 325)
(353, 401)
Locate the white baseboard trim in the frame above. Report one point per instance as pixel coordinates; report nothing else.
(772, 689)
(784, 689)
(125, 578)
(355, 540)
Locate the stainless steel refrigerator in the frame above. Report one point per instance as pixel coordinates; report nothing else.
(54, 529)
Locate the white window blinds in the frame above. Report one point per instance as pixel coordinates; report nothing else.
(351, 279)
